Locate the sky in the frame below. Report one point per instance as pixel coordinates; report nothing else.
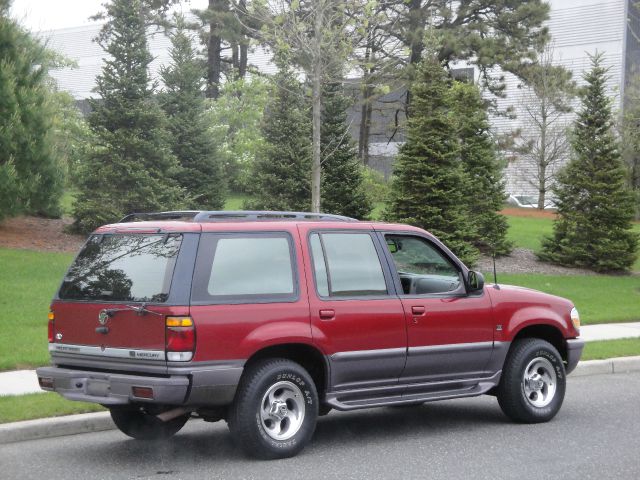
(42, 15)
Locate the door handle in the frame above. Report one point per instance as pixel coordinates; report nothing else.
(327, 314)
(418, 310)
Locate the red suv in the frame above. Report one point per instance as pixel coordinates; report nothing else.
(269, 319)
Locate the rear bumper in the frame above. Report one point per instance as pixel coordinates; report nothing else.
(574, 352)
(209, 385)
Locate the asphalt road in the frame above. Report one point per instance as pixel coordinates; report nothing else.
(596, 435)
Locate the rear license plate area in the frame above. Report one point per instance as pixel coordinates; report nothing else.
(98, 388)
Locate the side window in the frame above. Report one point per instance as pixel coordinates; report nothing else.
(346, 265)
(421, 267)
(240, 267)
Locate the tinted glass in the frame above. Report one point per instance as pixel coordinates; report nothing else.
(251, 266)
(320, 269)
(421, 266)
(135, 268)
(354, 266)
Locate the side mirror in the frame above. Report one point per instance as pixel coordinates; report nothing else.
(393, 245)
(475, 281)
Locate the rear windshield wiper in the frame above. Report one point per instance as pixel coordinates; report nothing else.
(140, 310)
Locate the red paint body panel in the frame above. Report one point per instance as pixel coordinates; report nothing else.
(77, 322)
(516, 308)
(449, 320)
(233, 332)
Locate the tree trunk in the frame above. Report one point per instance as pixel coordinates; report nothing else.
(416, 33)
(367, 108)
(244, 45)
(214, 53)
(316, 112)
(543, 161)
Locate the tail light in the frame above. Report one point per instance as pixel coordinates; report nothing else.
(52, 317)
(180, 339)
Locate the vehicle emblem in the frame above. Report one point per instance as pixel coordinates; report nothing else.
(58, 336)
(103, 317)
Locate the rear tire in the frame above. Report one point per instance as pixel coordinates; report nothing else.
(533, 382)
(275, 409)
(138, 423)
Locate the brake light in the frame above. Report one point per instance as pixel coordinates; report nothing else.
(52, 317)
(180, 339)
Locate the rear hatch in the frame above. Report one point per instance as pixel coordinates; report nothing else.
(112, 305)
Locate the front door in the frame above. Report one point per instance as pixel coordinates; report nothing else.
(450, 333)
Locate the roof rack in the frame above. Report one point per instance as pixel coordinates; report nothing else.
(200, 216)
(262, 216)
(173, 215)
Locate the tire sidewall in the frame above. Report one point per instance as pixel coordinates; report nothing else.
(549, 353)
(268, 447)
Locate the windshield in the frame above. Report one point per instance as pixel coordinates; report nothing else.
(134, 268)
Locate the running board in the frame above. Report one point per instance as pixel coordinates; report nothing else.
(412, 393)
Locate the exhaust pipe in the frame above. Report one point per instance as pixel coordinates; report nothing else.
(174, 413)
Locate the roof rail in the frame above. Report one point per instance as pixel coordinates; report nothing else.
(261, 216)
(173, 215)
(200, 216)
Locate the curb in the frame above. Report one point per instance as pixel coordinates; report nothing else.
(609, 365)
(97, 422)
(55, 427)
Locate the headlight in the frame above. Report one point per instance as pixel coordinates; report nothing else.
(575, 318)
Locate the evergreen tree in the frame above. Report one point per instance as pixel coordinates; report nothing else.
(30, 178)
(191, 141)
(595, 206)
(132, 168)
(485, 194)
(430, 185)
(342, 173)
(282, 171)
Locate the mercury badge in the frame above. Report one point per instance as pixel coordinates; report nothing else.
(103, 317)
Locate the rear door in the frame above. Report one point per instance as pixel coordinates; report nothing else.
(356, 318)
(114, 298)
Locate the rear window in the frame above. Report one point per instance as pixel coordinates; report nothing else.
(133, 268)
(242, 268)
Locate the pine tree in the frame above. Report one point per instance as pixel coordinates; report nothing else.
(282, 171)
(132, 168)
(429, 189)
(595, 206)
(30, 178)
(191, 141)
(479, 158)
(342, 173)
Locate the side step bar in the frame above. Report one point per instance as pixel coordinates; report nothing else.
(412, 393)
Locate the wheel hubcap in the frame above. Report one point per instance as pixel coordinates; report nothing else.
(539, 382)
(282, 410)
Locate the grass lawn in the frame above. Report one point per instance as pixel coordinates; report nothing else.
(41, 405)
(527, 232)
(599, 298)
(625, 347)
(28, 281)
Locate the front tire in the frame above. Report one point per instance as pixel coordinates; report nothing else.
(533, 382)
(275, 409)
(138, 423)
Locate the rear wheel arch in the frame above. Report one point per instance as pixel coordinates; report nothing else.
(307, 356)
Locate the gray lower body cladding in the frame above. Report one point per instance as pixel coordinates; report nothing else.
(211, 384)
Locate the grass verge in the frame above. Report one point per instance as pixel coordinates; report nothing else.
(624, 347)
(599, 298)
(28, 281)
(41, 405)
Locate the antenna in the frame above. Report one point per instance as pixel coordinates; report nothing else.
(495, 275)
